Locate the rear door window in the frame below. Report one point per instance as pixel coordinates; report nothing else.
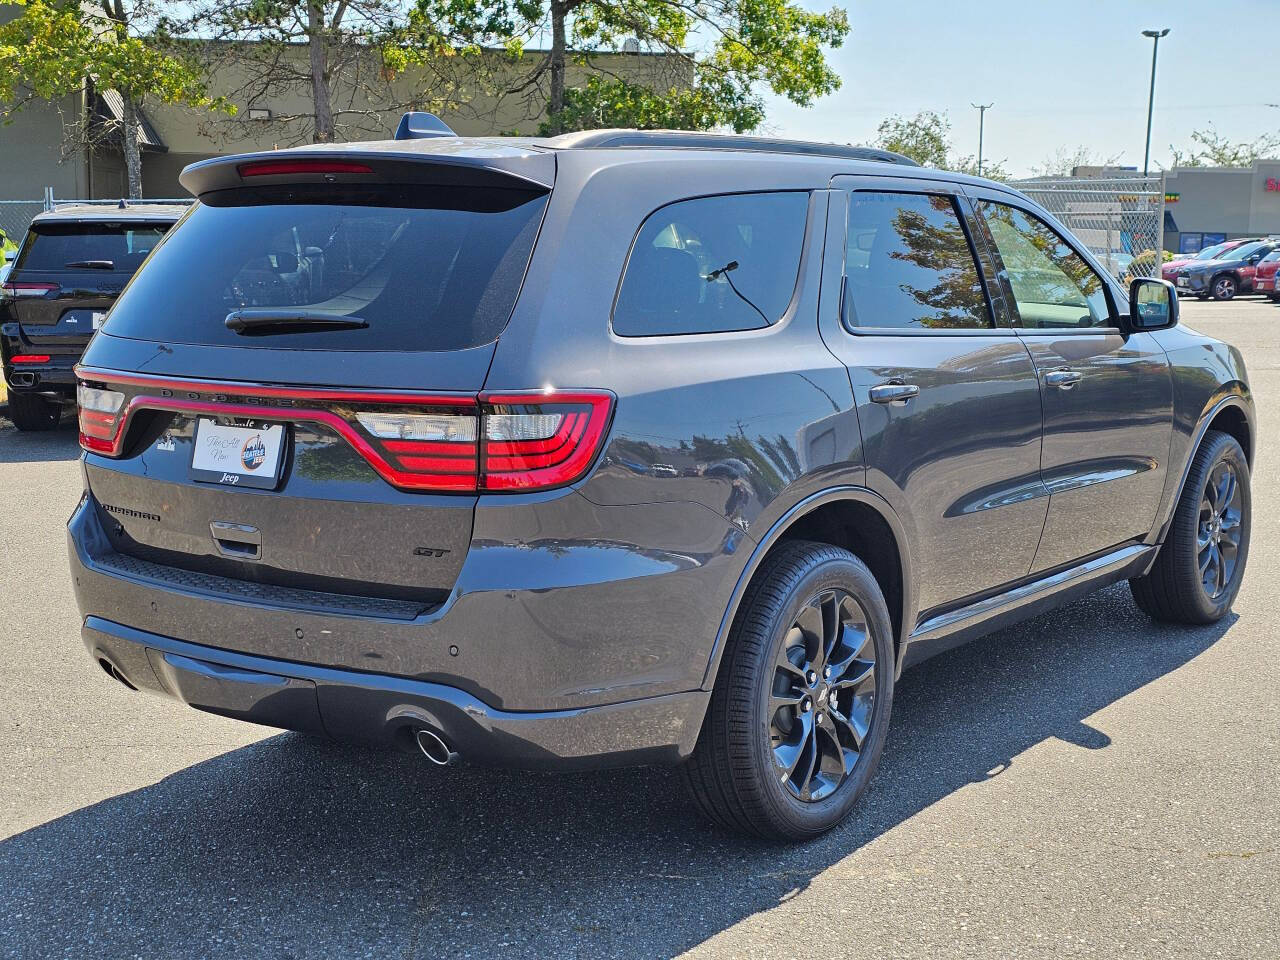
(713, 265)
(421, 268)
(909, 265)
(109, 247)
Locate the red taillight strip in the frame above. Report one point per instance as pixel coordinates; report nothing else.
(30, 358)
(394, 476)
(427, 465)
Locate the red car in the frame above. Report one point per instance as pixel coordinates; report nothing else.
(1170, 269)
(1264, 280)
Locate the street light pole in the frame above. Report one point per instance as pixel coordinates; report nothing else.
(982, 109)
(1155, 36)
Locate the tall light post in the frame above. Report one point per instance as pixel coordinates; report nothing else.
(1155, 36)
(982, 109)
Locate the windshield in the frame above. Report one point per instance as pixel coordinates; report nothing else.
(372, 267)
(1240, 253)
(110, 247)
(1210, 253)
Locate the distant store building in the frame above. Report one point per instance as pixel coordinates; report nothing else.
(1206, 205)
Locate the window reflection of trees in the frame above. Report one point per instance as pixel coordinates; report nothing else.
(910, 264)
(1040, 266)
(935, 242)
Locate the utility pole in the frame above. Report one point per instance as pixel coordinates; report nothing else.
(1155, 36)
(982, 109)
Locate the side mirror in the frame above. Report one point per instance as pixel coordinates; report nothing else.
(1153, 304)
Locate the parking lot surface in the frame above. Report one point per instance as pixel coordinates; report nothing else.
(1084, 784)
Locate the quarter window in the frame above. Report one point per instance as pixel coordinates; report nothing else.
(712, 265)
(909, 265)
(1053, 286)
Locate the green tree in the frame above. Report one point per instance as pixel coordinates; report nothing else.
(926, 139)
(719, 55)
(1211, 149)
(54, 47)
(340, 57)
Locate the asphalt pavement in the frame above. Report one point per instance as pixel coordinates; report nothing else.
(1087, 784)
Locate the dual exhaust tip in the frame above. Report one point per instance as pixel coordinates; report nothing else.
(435, 748)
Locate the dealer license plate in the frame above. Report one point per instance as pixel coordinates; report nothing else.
(243, 455)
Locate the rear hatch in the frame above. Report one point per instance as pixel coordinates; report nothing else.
(65, 279)
(287, 394)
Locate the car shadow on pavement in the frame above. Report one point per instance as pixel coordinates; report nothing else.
(41, 445)
(292, 847)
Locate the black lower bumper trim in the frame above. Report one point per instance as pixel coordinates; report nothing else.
(382, 709)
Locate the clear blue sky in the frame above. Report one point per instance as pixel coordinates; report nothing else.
(1061, 74)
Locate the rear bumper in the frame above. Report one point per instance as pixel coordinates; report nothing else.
(384, 710)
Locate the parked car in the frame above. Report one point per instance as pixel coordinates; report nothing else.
(1264, 278)
(392, 490)
(66, 274)
(1169, 269)
(1226, 276)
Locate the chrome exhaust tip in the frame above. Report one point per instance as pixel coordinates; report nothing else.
(434, 748)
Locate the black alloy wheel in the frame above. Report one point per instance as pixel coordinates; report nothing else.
(800, 709)
(823, 696)
(1198, 571)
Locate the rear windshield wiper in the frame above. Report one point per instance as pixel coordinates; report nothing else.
(284, 320)
(91, 264)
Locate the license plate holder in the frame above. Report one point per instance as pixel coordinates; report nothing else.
(244, 453)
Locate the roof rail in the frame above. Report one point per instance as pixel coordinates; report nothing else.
(417, 125)
(589, 139)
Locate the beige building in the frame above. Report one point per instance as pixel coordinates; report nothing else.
(37, 149)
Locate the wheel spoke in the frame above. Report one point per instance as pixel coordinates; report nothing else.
(811, 744)
(858, 734)
(1205, 558)
(857, 675)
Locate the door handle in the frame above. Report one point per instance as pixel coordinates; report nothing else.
(895, 391)
(1063, 379)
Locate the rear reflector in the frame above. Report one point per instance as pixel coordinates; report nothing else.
(280, 168)
(30, 358)
(448, 443)
(22, 289)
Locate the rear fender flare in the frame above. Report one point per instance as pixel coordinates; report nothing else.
(776, 533)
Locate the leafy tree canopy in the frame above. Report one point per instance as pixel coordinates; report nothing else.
(1211, 149)
(926, 139)
(719, 55)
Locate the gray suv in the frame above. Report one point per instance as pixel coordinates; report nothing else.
(625, 448)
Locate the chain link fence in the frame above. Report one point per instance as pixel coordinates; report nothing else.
(1121, 219)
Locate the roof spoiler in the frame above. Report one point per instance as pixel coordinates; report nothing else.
(416, 125)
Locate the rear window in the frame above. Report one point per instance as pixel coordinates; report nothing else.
(712, 265)
(423, 268)
(109, 247)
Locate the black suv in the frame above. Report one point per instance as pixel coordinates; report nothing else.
(68, 271)
(628, 448)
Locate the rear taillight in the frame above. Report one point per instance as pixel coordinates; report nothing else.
(509, 442)
(99, 416)
(30, 358)
(23, 289)
(433, 450)
(541, 440)
(449, 443)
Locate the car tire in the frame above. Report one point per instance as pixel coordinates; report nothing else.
(1224, 287)
(1198, 570)
(31, 412)
(785, 752)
